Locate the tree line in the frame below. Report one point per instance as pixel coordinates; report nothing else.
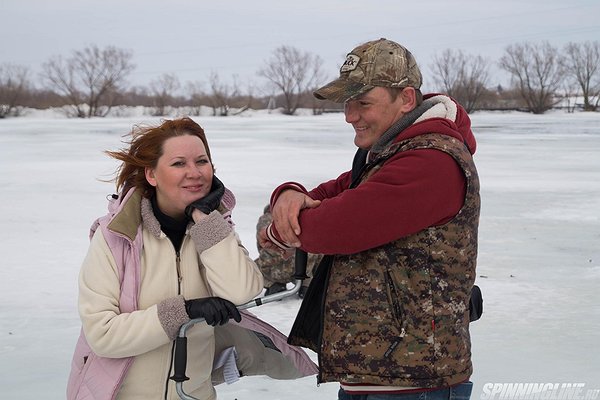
(92, 81)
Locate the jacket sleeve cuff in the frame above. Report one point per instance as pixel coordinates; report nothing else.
(172, 314)
(210, 231)
(285, 186)
(274, 238)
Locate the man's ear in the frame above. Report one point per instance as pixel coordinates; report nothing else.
(149, 172)
(409, 99)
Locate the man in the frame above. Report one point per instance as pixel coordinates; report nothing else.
(278, 270)
(387, 310)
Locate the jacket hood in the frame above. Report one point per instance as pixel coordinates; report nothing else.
(445, 116)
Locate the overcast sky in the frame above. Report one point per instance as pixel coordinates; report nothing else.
(196, 37)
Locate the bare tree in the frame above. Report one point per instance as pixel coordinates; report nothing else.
(247, 100)
(14, 83)
(537, 72)
(463, 77)
(569, 90)
(582, 63)
(221, 94)
(293, 73)
(197, 96)
(90, 79)
(138, 95)
(163, 89)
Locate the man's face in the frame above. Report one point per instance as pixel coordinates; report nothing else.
(373, 113)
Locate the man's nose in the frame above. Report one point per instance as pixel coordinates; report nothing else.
(350, 113)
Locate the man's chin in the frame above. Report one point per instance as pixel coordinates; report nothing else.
(362, 144)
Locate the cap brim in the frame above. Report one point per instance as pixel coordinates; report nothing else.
(341, 90)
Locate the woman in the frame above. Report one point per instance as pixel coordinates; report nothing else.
(170, 241)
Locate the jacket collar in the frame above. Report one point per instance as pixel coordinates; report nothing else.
(130, 213)
(127, 217)
(438, 113)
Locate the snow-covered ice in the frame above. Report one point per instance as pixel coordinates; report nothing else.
(538, 267)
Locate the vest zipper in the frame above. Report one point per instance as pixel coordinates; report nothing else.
(396, 306)
(396, 311)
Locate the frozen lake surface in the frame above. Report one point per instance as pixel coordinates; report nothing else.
(538, 267)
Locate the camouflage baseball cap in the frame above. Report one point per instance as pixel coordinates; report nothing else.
(376, 63)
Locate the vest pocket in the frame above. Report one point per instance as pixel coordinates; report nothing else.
(80, 366)
(394, 298)
(415, 349)
(397, 311)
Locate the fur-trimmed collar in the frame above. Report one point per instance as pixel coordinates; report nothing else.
(441, 107)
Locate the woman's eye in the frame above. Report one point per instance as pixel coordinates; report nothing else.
(202, 161)
(178, 163)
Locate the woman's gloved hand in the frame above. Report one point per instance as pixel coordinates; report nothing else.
(215, 310)
(211, 201)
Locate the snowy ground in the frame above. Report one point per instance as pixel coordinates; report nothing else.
(539, 262)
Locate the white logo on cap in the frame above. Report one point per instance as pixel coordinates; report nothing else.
(350, 64)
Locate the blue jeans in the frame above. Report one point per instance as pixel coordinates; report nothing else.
(458, 392)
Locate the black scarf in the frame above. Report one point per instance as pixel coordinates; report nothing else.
(174, 229)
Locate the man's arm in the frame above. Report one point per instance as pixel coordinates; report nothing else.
(285, 214)
(412, 191)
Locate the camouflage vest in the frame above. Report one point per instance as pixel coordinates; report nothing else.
(398, 314)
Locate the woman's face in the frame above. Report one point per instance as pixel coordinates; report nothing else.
(183, 174)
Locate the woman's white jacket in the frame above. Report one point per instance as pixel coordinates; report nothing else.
(211, 262)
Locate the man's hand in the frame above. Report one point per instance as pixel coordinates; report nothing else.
(286, 211)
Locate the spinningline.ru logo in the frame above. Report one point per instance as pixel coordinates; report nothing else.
(538, 391)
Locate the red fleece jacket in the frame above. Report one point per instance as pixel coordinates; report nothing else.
(413, 190)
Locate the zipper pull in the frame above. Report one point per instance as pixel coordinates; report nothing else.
(178, 265)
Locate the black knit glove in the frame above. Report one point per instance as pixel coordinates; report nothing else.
(211, 201)
(215, 310)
